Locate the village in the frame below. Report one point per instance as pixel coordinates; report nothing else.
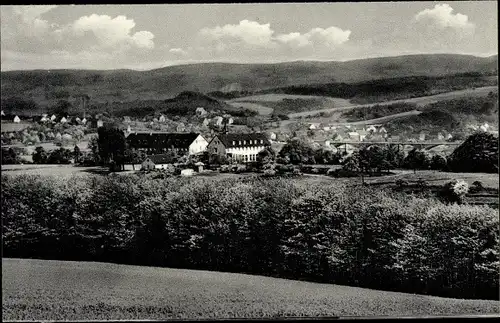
(156, 136)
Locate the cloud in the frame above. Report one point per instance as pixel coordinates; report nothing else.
(24, 30)
(260, 39)
(246, 32)
(110, 32)
(178, 51)
(331, 37)
(442, 16)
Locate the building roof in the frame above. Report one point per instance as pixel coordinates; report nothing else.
(161, 139)
(160, 158)
(231, 140)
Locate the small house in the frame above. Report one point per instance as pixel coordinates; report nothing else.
(206, 122)
(200, 111)
(17, 119)
(44, 119)
(3, 114)
(100, 123)
(421, 136)
(159, 161)
(187, 172)
(371, 129)
(129, 130)
(354, 135)
(199, 166)
(218, 120)
(314, 126)
(338, 137)
(440, 136)
(272, 136)
(382, 130)
(63, 120)
(162, 118)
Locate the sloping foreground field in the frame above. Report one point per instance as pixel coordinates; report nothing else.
(46, 290)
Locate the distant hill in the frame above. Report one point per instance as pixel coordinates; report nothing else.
(46, 87)
(184, 104)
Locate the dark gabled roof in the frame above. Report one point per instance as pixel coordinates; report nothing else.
(161, 158)
(243, 139)
(161, 140)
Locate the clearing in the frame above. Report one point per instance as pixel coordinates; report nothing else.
(253, 102)
(51, 170)
(67, 290)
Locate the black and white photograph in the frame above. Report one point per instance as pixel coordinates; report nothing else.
(241, 161)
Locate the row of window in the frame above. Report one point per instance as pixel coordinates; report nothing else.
(245, 158)
(250, 142)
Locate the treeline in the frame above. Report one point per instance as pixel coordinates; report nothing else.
(450, 115)
(378, 111)
(391, 88)
(285, 228)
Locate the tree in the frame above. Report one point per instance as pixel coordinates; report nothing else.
(438, 162)
(60, 156)
(94, 149)
(112, 145)
(298, 152)
(61, 109)
(266, 156)
(479, 153)
(39, 156)
(9, 156)
(77, 153)
(417, 159)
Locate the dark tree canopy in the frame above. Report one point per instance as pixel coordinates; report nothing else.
(479, 153)
(112, 145)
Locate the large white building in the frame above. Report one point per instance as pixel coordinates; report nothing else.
(161, 142)
(242, 147)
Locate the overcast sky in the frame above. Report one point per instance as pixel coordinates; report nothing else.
(150, 36)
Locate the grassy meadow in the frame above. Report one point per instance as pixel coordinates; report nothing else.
(66, 290)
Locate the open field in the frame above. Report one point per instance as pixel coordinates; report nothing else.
(260, 103)
(432, 177)
(261, 109)
(13, 127)
(424, 100)
(49, 170)
(65, 290)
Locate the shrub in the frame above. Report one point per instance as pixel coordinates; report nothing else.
(438, 162)
(477, 186)
(330, 172)
(402, 182)
(454, 191)
(269, 172)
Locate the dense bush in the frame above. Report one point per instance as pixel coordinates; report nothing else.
(10, 156)
(289, 228)
(454, 191)
(479, 153)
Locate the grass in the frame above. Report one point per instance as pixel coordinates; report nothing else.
(48, 170)
(290, 104)
(57, 290)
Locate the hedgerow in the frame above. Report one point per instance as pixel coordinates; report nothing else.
(352, 235)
